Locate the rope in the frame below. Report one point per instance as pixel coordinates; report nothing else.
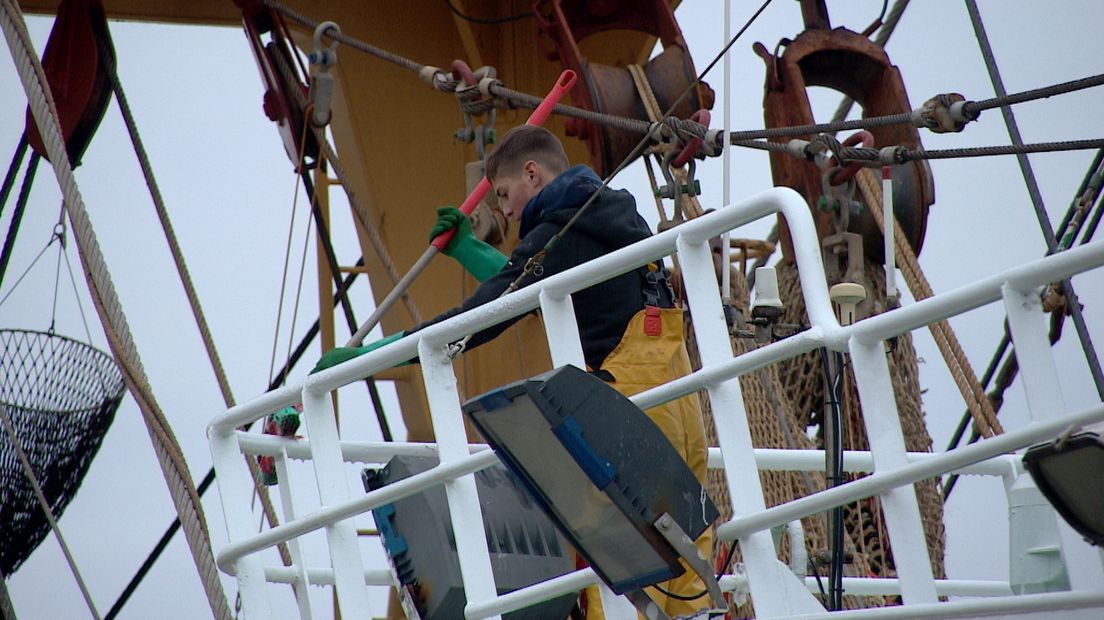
(1085, 198)
(29, 471)
(1029, 175)
(172, 462)
(976, 401)
(363, 215)
(107, 54)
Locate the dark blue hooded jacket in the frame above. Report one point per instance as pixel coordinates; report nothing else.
(610, 223)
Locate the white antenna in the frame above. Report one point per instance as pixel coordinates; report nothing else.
(726, 194)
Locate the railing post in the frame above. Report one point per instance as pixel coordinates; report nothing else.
(775, 590)
(235, 488)
(302, 581)
(1028, 326)
(329, 471)
(887, 446)
(452, 445)
(562, 330)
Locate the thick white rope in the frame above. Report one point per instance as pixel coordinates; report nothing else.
(173, 466)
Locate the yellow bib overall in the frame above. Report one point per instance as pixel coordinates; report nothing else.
(652, 352)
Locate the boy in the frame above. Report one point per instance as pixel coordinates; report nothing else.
(623, 344)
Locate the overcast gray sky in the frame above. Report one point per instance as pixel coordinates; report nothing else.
(229, 188)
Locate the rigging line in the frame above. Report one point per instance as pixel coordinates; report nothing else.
(1090, 229)
(298, 289)
(45, 505)
(636, 151)
(209, 478)
(1009, 370)
(57, 269)
(283, 281)
(497, 89)
(26, 271)
(970, 108)
(169, 456)
(489, 21)
(17, 214)
(287, 249)
(76, 294)
(535, 262)
(361, 213)
(1086, 183)
(346, 305)
(641, 147)
(898, 154)
(1090, 186)
(108, 54)
(1087, 347)
(13, 170)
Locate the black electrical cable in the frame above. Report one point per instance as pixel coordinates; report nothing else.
(277, 381)
(877, 23)
(834, 473)
(488, 21)
(729, 556)
(820, 584)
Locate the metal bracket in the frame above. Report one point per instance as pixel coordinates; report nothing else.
(677, 538)
(644, 604)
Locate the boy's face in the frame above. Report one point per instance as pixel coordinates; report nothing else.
(514, 190)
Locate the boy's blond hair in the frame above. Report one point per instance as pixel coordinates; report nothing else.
(521, 144)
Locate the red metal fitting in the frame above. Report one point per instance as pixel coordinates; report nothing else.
(692, 147)
(847, 173)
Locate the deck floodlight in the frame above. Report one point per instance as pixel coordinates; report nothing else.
(606, 476)
(417, 535)
(1070, 474)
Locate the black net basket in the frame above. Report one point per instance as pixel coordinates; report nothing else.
(61, 396)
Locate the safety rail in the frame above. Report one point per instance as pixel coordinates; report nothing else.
(776, 590)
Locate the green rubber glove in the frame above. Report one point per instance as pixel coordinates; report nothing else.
(478, 258)
(341, 355)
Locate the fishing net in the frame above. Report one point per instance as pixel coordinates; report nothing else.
(774, 423)
(61, 396)
(802, 376)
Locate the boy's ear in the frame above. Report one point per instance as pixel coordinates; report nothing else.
(532, 172)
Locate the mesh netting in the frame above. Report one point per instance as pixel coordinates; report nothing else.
(61, 396)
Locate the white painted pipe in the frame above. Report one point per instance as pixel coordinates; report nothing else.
(888, 222)
(880, 482)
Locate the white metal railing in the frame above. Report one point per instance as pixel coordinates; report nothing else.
(777, 591)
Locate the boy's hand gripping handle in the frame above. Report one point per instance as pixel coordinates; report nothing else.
(541, 114)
